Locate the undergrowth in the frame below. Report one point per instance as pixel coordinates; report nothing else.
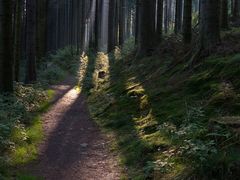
(55, 67)
(168, 122)
(20, 125)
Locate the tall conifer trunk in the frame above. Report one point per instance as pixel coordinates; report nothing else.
(210, 28)
(159, 30)
(187, 22)
(146, 40)
(6, 54)
(17, 38)
(178, 16)
(31, 76)
(224, 14)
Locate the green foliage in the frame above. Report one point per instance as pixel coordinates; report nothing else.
(55, 67)
(19, 130)
(52, 74)
(66, 58)
(128, 47)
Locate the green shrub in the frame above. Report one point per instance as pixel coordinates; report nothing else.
(15, 117)
(30, 96)
(128, 47)
(11, 112)
(67, 59)
(203, 147)
(51, 74)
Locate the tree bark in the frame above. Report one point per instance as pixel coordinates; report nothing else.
(111, 25)
(224, 14)
(187, 22)
(6, 57)
(31, 76)
(178, 16)
(17, 38)
(209, 24)
(236, 10)
(146, 28)
(159, 30)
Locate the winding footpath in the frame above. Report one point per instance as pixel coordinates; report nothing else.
(73, 147)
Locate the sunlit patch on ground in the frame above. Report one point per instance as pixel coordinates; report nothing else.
(60, 108)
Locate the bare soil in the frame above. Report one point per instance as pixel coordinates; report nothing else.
(73, 148)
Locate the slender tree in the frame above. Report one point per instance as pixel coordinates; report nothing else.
(6, 57)
(178, 16)
(159, 30)
(210, 28)
(187, 22)
(236, 10)
(122, 4)
(146, 29)
(111, 25)
(31, 75)
(224, 14)
(18, 38)
(41, 28)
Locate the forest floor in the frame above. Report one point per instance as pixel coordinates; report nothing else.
(73, 147)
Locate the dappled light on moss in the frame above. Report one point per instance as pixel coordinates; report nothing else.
(83, 70)
(101, 72)
(165, 113)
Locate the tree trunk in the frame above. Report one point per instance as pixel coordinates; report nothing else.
(147, 28)
(166, 16)
(122, 21)
(137, 25)
(111, 25)
(224, 14)
(159, 30)
(178, 16)
(236, 10)
(209, 24)
(187, 22)
(17, 38)
(41, 28)
(6, 57)
(31, 76)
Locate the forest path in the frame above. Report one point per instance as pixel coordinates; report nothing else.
(73, 147)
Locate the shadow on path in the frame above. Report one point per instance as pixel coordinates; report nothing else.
(74, 147)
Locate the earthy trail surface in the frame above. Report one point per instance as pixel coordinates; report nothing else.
(73, 148)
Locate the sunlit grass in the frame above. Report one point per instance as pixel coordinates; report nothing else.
(26, 143)
(45, 105)
(25, 139)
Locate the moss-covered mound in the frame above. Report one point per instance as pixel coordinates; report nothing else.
(166, 119)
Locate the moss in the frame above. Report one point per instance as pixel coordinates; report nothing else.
(27, 177)
(139, 96)
(25, 138)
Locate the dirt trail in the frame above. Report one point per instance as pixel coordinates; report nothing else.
(73, 148)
